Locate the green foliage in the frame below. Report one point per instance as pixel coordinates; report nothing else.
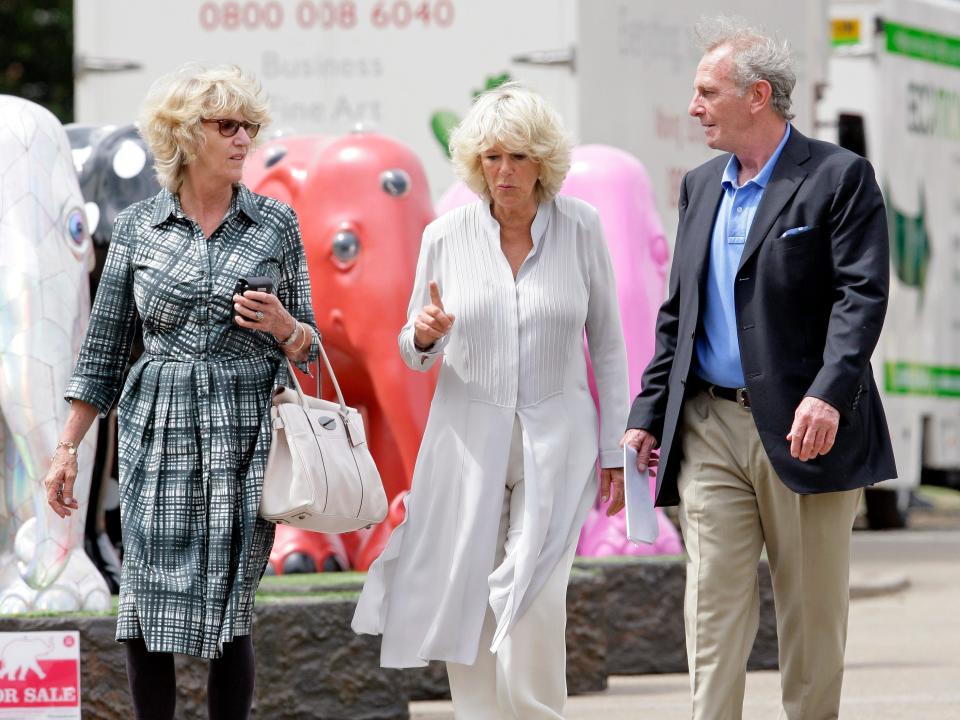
(36, 53)
(492, 82)
(442, 122)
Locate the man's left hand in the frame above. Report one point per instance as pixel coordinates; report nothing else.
(611, 486)
(814, 429)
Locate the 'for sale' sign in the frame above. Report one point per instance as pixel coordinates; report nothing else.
(40, 675)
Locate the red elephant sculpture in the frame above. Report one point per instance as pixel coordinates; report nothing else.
(363, 202)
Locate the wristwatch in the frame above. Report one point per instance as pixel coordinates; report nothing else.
(292, 336)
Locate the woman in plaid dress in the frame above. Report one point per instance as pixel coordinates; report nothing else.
(193, 422)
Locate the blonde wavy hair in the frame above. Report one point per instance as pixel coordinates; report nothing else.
(521, 121)
(170, 116)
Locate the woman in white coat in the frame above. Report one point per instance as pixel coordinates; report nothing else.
(505, 288)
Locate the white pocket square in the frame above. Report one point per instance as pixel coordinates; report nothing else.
(797, 230)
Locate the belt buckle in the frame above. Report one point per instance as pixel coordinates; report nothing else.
(743, 399)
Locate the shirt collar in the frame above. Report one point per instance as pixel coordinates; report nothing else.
(244, 201)
(540, 221)
(168, 204)
(165, 205)
(729, 179)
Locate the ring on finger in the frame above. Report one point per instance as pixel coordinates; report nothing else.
(259, 315)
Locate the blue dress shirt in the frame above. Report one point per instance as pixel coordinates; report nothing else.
(717, 347)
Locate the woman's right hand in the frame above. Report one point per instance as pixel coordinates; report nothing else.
(433, 322)
(59, 482)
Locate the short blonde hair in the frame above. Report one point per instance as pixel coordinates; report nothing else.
(170, 117)
(521, 121)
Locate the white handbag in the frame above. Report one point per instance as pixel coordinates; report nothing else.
(320, 474)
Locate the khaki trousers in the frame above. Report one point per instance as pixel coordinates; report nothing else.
(732, 504)
(526, 679)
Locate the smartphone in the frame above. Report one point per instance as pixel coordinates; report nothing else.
(260, 284)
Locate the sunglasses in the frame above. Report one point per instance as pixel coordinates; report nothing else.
(229, 128)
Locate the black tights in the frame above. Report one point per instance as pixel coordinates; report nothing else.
(153, 683)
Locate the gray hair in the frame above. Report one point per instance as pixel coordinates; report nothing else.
(522, 121)
(755, 56)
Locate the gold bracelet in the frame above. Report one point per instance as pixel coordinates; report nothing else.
(302, 342)
(71, 450)
(70, 446)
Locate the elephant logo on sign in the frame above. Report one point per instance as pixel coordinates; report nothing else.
(20, 656)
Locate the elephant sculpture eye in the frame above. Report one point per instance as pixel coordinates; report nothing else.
(274, 155)
(77, 229)
(346, 246)
(395, 182)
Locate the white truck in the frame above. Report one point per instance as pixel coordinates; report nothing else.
(894, 96)
(620, 72)
(327, 65)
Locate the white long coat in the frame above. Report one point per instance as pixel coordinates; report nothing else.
(516, 349)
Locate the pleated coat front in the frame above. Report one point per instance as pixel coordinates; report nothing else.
(516, 349)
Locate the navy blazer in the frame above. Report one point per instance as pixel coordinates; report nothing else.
(809, 310)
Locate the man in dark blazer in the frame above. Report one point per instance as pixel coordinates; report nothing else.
(760, 395)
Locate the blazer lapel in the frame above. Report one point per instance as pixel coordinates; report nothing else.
(786, 178)
(701, 212)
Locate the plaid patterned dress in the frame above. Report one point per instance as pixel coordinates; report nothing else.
(193, 428)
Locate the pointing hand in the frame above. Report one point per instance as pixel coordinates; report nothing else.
(433, 322)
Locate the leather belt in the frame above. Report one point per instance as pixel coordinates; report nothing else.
(740, 395)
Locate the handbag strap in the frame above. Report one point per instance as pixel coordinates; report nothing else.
(344, 410)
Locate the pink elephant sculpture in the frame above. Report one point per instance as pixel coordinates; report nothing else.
(617, 185)
(362, 201)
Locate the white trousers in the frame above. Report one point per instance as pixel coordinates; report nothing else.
(526, 678)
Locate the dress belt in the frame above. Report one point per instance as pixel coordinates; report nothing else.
(740, 395)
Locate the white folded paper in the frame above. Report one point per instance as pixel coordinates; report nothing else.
(642, 524)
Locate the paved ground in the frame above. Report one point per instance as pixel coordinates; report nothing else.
(903, 652)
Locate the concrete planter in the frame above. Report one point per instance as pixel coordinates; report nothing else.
(644, 615)
(309, 665)
(624, 616)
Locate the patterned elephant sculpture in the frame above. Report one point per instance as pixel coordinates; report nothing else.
(44, 309)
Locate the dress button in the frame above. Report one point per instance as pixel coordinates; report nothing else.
(739, 209)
